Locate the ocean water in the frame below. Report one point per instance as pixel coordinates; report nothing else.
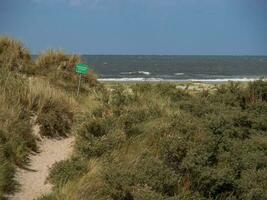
(178, 68)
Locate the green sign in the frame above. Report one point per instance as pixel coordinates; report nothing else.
(82, 69)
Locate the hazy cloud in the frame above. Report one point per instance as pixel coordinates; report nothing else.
(94, 3)
(74, 3)
(82, 2)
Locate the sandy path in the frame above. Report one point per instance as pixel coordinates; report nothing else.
(33, 183)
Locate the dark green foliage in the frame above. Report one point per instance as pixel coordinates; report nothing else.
(145, 171)
(22, 142)
(170, 91)
(154, 173)
(144, 141)
(145, 193)
(7, 182)
(64, 171)
(142, 88)
(90, 146)
(157, 142)
(257, 91)
(120, 97)
(55, 119)
(47, 197)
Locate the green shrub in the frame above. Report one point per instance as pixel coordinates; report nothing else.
(145, 172)
(91, 146)
(250, 182)
(120, 97)
(48, 197)
(145, 193)
(53, 108)
(64, 171)
(257, 91)
(142, 88)
(154, 173)
(178, 146)
(157, 142)
(55, 119)
(228, 94)
(197, 106)
(134, 116)
(167, 90)
(188, 195)
(7, 181)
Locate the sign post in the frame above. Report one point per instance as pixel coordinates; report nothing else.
(79, 85)
(81, 69)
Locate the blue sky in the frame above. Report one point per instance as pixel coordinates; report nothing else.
(175, 27)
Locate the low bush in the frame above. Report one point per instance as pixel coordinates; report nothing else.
(90, 146)
(145, 193)
(141, 141)
(55, 119)
(64, 171)
(7, 179)
(167, 90)
(176, 145)
(53, 108)
(144, 172)
(257, 91)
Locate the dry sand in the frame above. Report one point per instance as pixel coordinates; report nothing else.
(33, 182)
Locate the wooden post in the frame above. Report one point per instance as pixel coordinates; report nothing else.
(79, 85)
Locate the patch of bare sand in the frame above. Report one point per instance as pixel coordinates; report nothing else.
(33, 181)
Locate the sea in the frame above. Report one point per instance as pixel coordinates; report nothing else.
(162, 68)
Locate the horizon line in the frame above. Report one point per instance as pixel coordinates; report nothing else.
(230, 55)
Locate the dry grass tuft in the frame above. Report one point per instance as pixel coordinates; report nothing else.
(53, 60)
(59, 68)
(13, 55)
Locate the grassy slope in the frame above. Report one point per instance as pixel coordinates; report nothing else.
(144, 141)
(24, 97)
(156, 142)
(21, 100)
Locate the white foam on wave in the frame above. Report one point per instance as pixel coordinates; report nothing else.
(143, 72)
(136, 72)
(179, 74)
(227, 80)
(179, 80)
(128, 79)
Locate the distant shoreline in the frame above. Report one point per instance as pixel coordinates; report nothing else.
(158, 80)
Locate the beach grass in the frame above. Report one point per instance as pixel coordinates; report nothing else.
(133, 141)
(24, 101)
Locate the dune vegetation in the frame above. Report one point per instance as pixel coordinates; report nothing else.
(148, 141)
(135, 141)
(26, 99)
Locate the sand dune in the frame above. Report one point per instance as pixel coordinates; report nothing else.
(33, 181)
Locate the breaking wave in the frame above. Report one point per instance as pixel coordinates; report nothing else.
(137, 79)
(135, 72)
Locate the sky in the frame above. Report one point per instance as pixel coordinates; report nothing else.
(160, 27)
